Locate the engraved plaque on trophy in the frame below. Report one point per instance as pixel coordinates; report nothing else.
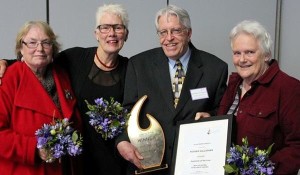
(150, 141)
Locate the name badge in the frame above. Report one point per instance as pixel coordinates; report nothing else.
(200, 93)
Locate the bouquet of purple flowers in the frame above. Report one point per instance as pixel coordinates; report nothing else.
(248, 160)
(58, 139)
(108, 118)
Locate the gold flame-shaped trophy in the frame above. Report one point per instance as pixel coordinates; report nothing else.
(150, 142)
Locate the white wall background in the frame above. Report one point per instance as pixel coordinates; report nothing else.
(290, 37)
(13, 14)
(74, 23)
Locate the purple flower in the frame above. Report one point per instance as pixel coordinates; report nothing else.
(251, 150)
(74, 149)
(59, 139)
(270, 170)
(58, 150)
(248, 160)
(100, 102)
(108, 118)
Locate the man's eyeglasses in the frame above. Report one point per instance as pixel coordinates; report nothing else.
(105, 28)
(174, 31)
(34, 44)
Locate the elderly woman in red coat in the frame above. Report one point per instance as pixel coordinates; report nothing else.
(264, 100)
(33, 92)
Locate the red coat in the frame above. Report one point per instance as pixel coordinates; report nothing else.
(269, 113)
(24, 107)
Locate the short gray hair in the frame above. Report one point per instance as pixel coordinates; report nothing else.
(255, 29)
(172, 10)
(116, 9)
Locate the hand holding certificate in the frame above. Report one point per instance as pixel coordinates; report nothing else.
(202, 145)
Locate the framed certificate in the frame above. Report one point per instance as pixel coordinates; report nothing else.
(201, 146)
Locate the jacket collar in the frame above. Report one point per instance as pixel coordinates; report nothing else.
(31, 92)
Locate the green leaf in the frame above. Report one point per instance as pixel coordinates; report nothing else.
(239, 148)
(269, 149)
(229, 168)
(74, 136)
(115, 123)
(90, 107)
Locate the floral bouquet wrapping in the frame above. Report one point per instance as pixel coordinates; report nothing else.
(248, 160)
(108, 118)
(58, 139)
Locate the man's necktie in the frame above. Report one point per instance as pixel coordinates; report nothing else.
(178, 82)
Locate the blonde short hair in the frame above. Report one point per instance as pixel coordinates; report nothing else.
(42, 25)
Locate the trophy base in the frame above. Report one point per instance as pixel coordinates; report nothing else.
(148, 170)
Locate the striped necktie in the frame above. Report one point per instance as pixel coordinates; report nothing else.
(178, 82)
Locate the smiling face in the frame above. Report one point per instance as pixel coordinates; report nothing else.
(39, 57)
(111, 42)
(248, 58)
(174, 44)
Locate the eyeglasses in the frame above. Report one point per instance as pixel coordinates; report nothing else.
(105, 28)
(34, 44)
(174, 31)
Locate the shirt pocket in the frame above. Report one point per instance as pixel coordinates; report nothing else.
(261, 121)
